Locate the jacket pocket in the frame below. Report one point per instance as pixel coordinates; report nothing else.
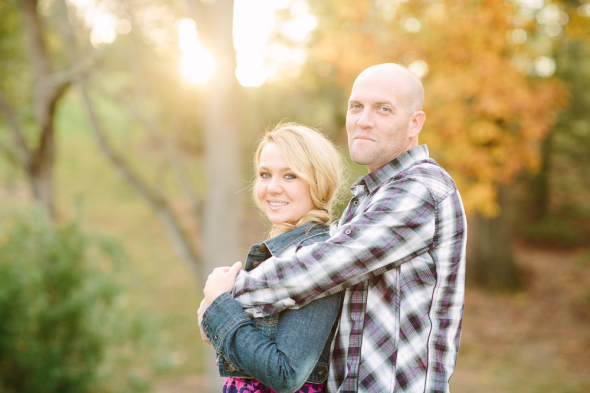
(319, 373)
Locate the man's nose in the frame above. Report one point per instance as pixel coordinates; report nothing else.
(366, 119)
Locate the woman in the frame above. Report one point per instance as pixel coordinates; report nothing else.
(299, 174)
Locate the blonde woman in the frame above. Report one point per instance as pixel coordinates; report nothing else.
(298, 176)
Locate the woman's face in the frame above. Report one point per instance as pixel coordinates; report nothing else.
(284, 196)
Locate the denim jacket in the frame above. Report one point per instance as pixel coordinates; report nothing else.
(282, 351)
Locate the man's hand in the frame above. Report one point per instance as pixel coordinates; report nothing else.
(200, 312)
(221, 280)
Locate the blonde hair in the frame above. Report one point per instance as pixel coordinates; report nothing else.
(314, 159)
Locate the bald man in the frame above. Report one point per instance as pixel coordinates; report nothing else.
(398, 252)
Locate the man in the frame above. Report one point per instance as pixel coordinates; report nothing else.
(398, 251)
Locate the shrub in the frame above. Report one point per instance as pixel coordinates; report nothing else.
(59, 318)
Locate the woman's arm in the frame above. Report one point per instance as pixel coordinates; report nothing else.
(285, 364)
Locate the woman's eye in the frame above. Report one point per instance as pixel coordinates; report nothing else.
(264, 175)
(290, 176)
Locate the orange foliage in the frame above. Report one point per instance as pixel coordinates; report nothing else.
(484, 119)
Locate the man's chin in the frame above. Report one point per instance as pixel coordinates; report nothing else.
(361, 159)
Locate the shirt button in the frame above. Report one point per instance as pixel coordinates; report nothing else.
(263, 248)
(348, 231)
(255, 264)
(231, 369)
(323, 373)
(355, 202)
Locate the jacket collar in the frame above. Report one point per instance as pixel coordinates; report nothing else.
(276, 245)
(388, 171)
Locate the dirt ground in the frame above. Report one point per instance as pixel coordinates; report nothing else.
(537, 340)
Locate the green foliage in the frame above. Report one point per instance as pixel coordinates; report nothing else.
(570, 146)
(560, 192)
(15, 72)
(62, 328)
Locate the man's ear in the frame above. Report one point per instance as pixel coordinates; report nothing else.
(417, 122)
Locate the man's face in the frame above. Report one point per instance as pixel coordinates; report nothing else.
(378, 120)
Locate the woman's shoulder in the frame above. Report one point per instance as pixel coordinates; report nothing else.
(315, 239)
(316, 233)
(302, 235)
(310, 233)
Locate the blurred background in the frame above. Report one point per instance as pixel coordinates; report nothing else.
(127, 130)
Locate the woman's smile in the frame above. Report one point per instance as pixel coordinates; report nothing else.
(277, 203)
(285, 194)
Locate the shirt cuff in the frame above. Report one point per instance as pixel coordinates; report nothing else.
(221, 317)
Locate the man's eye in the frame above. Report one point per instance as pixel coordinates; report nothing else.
(355, 106)
(385, 109)
(290, 176)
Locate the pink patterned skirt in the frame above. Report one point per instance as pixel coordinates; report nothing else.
(239, 385)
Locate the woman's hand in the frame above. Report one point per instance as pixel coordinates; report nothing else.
(221, 280)
(200, 313)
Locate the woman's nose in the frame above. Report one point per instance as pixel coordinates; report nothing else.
(274, 186)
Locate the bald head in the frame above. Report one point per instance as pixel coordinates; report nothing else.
(399, 80)
(384, 114)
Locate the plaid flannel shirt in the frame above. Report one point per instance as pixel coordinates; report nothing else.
(399, 252)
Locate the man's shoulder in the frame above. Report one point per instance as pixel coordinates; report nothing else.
(433, 176)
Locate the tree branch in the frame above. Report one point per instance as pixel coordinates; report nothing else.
(201, 13)
(17, 133)
(10, 154)
(70, 76)
(176, 235)
(170, 153)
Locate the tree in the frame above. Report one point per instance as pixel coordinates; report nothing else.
(36, 158)
(485, 118)
(560, 188)
(220, 213)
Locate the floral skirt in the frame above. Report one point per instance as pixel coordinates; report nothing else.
(239, 385)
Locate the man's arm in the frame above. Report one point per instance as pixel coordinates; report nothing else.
(395, 227)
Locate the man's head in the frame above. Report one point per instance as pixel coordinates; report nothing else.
(384, 114)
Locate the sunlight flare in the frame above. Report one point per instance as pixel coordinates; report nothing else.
(196, 65)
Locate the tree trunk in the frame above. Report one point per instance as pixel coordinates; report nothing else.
(41, 180)
(541, 180)
(47, 92)
(222, 146)
(223, 212)
(490, 258)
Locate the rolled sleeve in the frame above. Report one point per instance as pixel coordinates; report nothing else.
(282, 365)
(222, 317)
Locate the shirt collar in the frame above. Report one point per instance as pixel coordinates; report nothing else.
(276, 245)
(404, 161)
